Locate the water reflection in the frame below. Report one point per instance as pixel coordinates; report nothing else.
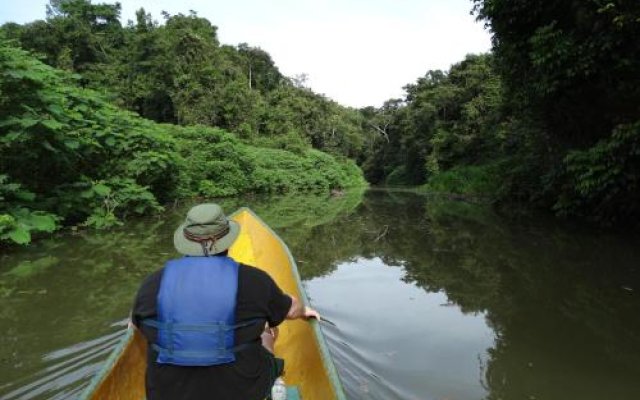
(561, 301)
(397, 341)
(432, 299)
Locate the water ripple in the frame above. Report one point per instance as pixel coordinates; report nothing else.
(67, 371)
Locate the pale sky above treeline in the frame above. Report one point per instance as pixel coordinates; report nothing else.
(357, 52)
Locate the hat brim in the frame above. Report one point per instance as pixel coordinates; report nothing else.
(189, 248)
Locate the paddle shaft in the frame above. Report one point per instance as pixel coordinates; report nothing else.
(323, 319)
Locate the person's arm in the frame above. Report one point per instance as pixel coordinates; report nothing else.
(298, 310)
(282, 306)
(145, 302)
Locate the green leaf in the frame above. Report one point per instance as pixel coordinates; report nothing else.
(28, 122)
(16, 74)
(111, 142)
(102, 190)
(11, 137)
(20, 235)
(25, 196)
(43, 223)
(6, 221)
(8, 122)
(49, 147)
(72, 144)
(51, 124)
(55, 109)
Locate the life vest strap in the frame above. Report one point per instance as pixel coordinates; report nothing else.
(218, 353)
(208, 327)
(205, 327)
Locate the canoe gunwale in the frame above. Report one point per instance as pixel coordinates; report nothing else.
(108, 365)
(324, 349)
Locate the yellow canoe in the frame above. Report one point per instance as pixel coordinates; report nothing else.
(309, 370)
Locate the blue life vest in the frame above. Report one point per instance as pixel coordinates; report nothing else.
(196, 312)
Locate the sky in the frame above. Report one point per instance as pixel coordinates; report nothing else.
(356, 52)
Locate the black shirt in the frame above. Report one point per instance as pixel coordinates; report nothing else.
(249, 377)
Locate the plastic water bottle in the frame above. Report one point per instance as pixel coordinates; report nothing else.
(279, 390)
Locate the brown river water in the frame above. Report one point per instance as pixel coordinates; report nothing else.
(431, 299)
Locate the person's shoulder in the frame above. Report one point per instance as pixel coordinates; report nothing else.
(152, 280)
(145, 300)
(250, 270)
(255, 274)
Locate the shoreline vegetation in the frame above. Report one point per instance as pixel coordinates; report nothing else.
(101, 121)
(72, 158)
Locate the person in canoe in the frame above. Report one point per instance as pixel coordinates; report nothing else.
(211, 322)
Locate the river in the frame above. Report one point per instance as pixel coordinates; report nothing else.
(431, 299)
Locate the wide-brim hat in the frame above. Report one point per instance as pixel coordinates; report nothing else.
(205, 231)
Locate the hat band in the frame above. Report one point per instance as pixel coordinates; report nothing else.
(206, 241)
(205, 238)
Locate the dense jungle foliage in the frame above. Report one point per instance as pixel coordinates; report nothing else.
(550, 118)
(69, 156)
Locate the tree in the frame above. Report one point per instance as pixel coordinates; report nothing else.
(572, 65)
(569, 70)
(262, 73)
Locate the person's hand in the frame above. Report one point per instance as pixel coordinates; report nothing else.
(311, 313)
(298, 310)
(274, 332)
